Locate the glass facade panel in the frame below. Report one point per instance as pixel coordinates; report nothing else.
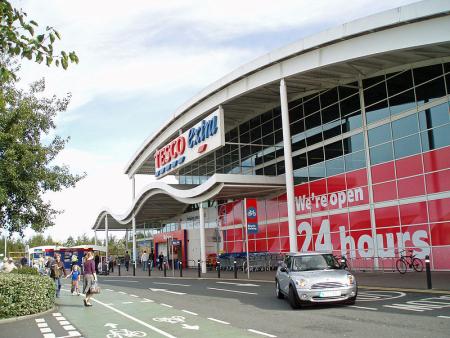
(436, 138)
(434, 116)
(405, 126)
(382, 153)
(379, 134)
(377, 111)
(406, 146)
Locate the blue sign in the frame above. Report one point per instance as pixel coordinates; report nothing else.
(251, 215)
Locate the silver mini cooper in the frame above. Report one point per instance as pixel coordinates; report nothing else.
(314, 278)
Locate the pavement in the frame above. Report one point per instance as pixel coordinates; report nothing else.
(167, 307)
(411, 280)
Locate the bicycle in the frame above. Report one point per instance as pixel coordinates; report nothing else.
(408, 261)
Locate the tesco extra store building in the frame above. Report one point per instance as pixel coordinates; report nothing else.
(343, 139)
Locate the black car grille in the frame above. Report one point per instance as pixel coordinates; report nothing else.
(327, 285)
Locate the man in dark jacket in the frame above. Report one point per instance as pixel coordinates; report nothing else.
(56, 272)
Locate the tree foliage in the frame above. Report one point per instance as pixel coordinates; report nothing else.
(27, 155)
(21, 37)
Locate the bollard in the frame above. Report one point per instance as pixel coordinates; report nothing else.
(149, 265)
(119, 269)
(181, 269)
(165, 270)
(198, 268)
(218, 269)
(427, 267)
(235, 269)
(134, 269)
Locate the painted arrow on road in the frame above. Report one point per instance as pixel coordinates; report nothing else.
(190, 327)
(167, 291)
(112, 325)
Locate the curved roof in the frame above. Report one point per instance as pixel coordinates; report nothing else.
(160, 201)
(407, 34)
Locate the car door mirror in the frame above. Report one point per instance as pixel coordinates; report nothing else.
(283, 269)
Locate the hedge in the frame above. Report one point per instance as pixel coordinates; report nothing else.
(22, 294)
(26, 270)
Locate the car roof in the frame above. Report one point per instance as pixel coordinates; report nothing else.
(307, 253)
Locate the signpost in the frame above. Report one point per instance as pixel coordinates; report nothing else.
(251, 224)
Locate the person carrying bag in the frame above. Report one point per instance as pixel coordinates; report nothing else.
(90, 286)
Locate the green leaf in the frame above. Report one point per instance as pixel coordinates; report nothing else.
(57, 63)
(57, 35)
(49, 60)
(52, 37)
(40, 38)
(34, 23)
(29, 29)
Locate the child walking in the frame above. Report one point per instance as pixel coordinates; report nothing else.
(75, 273)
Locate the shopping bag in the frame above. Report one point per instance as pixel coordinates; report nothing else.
(94, 288)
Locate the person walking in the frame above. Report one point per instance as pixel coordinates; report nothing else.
(97, 262)
(160, 261)
(127, 260)
(144, 260)
(90, 277)
(23, 261)
(111, 264)
(151, 259)
(56, 271)
(76, 276)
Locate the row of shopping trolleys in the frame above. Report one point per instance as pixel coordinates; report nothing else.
(257, 261)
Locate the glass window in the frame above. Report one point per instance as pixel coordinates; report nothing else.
(330, 113)
(424, 74)
(352, 121)
(267, 116)
(329, 97)
(277, 123)
(315, 156)
(430, 90)
(350, 105)
(267, 127)
(348, 90)
(312, 121)
(244, 127)
(406, 146)
(280, 168)
(317, 171)
(399, 83)
(377, 112)
(434, 116)
(311, 106)
(379, 134)
(270, 170)
(332, 129)
(375, 94)
(436, 138)
(296, 113)
(335, 166)
(297, 127)
(301, 175)
(314, 136)
(402, 102)
(405, 126)
(268, 139)
(278, 136)
(299, 161)
(298, 142)
(372, 81)
(255, 135)
(245, 138)
(354, 143)
(333, 150)
(355, 161)
(380, 154)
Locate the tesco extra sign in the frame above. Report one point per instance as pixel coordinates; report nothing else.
(201, 139)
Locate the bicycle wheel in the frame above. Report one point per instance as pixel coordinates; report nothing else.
(401, 266)
(417, 264)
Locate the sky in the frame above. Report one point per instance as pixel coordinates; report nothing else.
(141, 60)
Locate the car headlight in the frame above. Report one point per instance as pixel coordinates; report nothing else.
(350, 279)
(302, 283)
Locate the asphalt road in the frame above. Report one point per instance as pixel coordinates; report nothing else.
(158, 307)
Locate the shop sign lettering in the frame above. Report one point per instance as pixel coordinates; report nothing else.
(338, 199)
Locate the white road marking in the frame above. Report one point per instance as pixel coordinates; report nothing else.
(49, 335)
(56, 314)
(218, 321)
(190, 327)
(166, 305)
(238, 284)
(120, 280)
(73, 334)
(364, 308)
(370, 296)
(42, 325)
(109, 290)
(64, 322)
(123, 293)
(404, 307)
(446, 317)
(167, 291)
(68, 327)
(262, 333)
(175, 284)
(46, 330)
(40, 320)
(147, 301)
(425, 304)
(134, 296)
(165, 334)
(127, 302)
(60, 318)
(191, 313)
(226, 290)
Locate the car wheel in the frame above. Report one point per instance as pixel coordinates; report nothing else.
(293, 299)
(278, 291)
(350, 301)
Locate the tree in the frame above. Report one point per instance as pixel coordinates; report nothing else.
(69, 242)
(18, 38)
(27, 169)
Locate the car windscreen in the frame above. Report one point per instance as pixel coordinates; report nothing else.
(314, 262)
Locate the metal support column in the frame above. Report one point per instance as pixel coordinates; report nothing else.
(134, 240)
(288, 167)
(107, 238)
(202, 238)
(95, 237)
